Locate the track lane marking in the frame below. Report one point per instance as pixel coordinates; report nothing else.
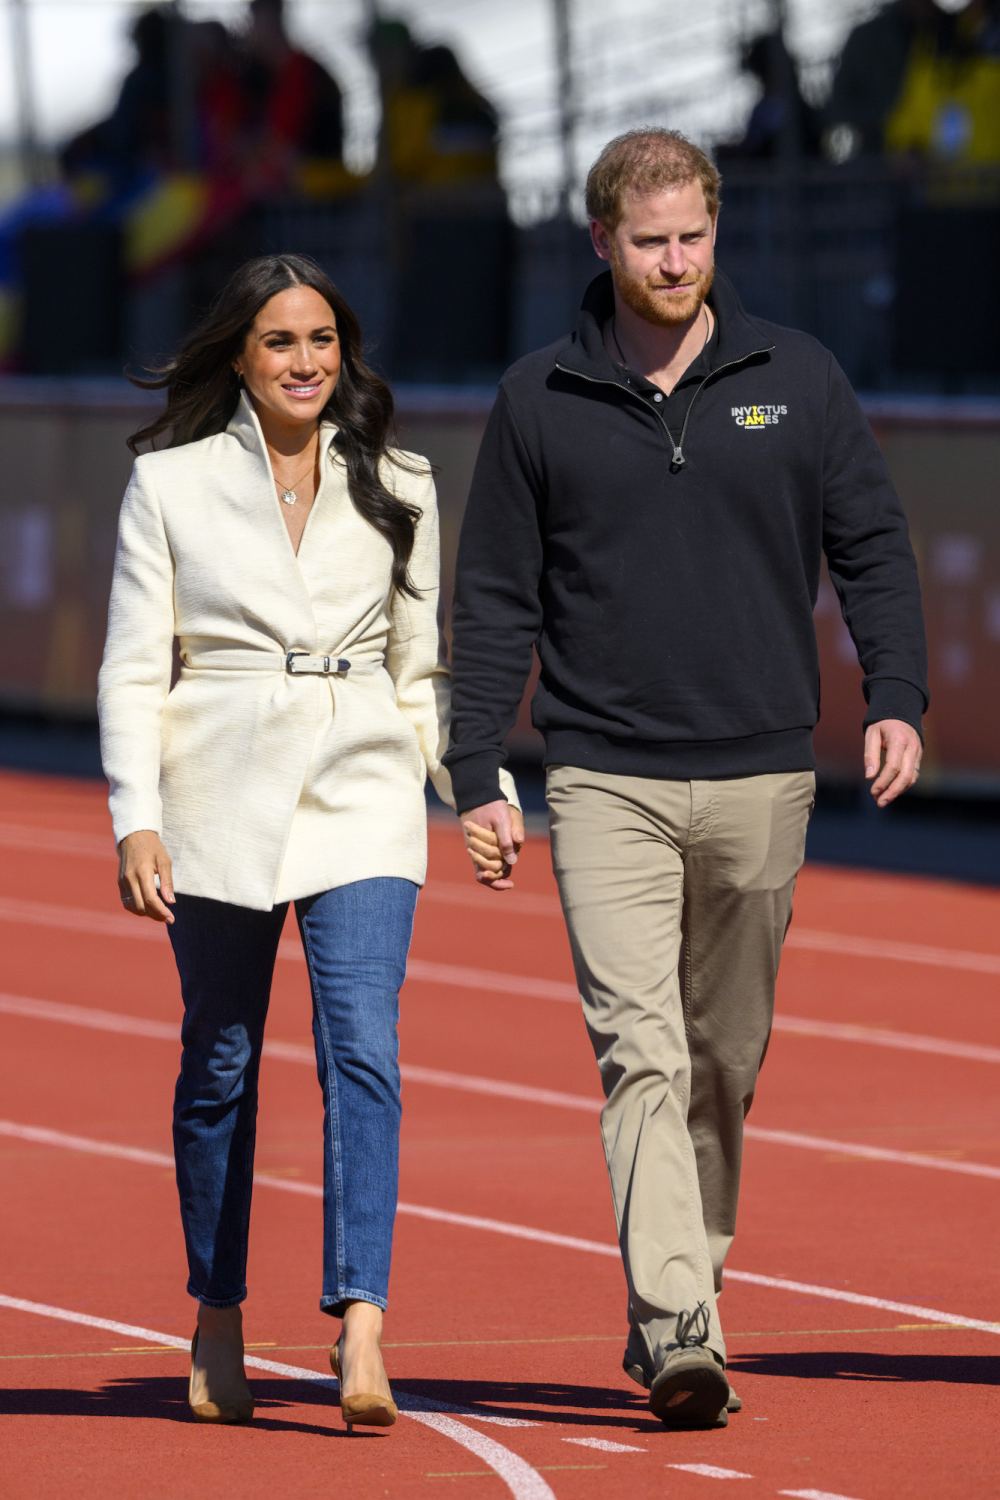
(710, 1471)
(898, 1041)
(427, 971)
(605, 1445)
(450, 893)
(524, 1482)
(813, 1495)
(295, 1052)
(43, 1136)
(860, 1152)
(596, 1338)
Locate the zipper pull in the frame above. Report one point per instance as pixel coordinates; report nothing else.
(677, 462)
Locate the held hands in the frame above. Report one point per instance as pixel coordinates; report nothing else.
(141, 858)
(494, 835)
(892, 759)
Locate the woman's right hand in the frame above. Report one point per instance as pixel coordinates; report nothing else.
(141, 859)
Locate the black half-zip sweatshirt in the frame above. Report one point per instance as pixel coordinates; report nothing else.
(670, 593)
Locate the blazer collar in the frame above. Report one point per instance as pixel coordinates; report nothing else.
(244, 426)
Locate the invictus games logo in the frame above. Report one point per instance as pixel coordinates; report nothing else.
(758, 416)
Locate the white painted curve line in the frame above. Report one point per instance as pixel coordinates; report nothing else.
(604, 1445)
(521, 1479)
(42, 1136)
(96, 1019)
(814, 940)
(813, 1495)
(524, 1482)
(710, 1471)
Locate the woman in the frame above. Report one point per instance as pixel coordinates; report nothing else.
(294, 557)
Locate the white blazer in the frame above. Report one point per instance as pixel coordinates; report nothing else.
(266, 785)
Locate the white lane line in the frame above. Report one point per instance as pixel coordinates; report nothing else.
(55, 841)
(814, 1495)
(96, 1019)
(492, 981)
(524, 1482)
(517, 903)
(294, 1052)
(872, 1153)
(41, 1136)
(710, 1471)
(604, 1445)
(858, 1299)
(84, 1144)
(471, 1083)
(473, 979)
(807, 939)
(899, 1041)
(91, 1019)
(900, 953)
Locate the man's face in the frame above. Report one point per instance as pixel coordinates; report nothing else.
(661, 254)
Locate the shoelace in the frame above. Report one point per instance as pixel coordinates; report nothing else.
(692, 1328)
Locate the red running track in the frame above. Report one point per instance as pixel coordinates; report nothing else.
(863, 1309)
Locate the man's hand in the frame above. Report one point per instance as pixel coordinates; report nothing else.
(892, 759)
(494, 835)
(145, 876)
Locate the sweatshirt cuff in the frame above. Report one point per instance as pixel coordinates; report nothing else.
(892, 698)
(476, 780)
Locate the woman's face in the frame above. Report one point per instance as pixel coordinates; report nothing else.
(290, 360)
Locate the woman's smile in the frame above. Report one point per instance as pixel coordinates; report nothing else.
(290, 361)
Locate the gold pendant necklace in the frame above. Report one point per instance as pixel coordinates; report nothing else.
(287, 493)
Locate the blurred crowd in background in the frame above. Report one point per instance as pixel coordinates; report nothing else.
(226, 142)
(861, 201)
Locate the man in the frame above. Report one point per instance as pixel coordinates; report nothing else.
(649, 508)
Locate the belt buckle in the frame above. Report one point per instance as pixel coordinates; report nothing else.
(332, 666)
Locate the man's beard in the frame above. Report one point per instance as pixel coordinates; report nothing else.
(663, 311)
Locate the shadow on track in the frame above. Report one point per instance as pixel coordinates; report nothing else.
(164, 1398)
(532, 1401)
(900, 1369)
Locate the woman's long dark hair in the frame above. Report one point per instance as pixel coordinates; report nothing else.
(203, 390)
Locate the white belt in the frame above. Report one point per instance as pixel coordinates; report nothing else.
(295, 663)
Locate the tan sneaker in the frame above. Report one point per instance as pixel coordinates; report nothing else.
(636, 1370)
(690, 1389)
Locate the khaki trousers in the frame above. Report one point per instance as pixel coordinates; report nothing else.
(677, 896)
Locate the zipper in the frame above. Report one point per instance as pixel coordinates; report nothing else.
(677, 460)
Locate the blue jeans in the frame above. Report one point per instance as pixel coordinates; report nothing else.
(355, 940)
